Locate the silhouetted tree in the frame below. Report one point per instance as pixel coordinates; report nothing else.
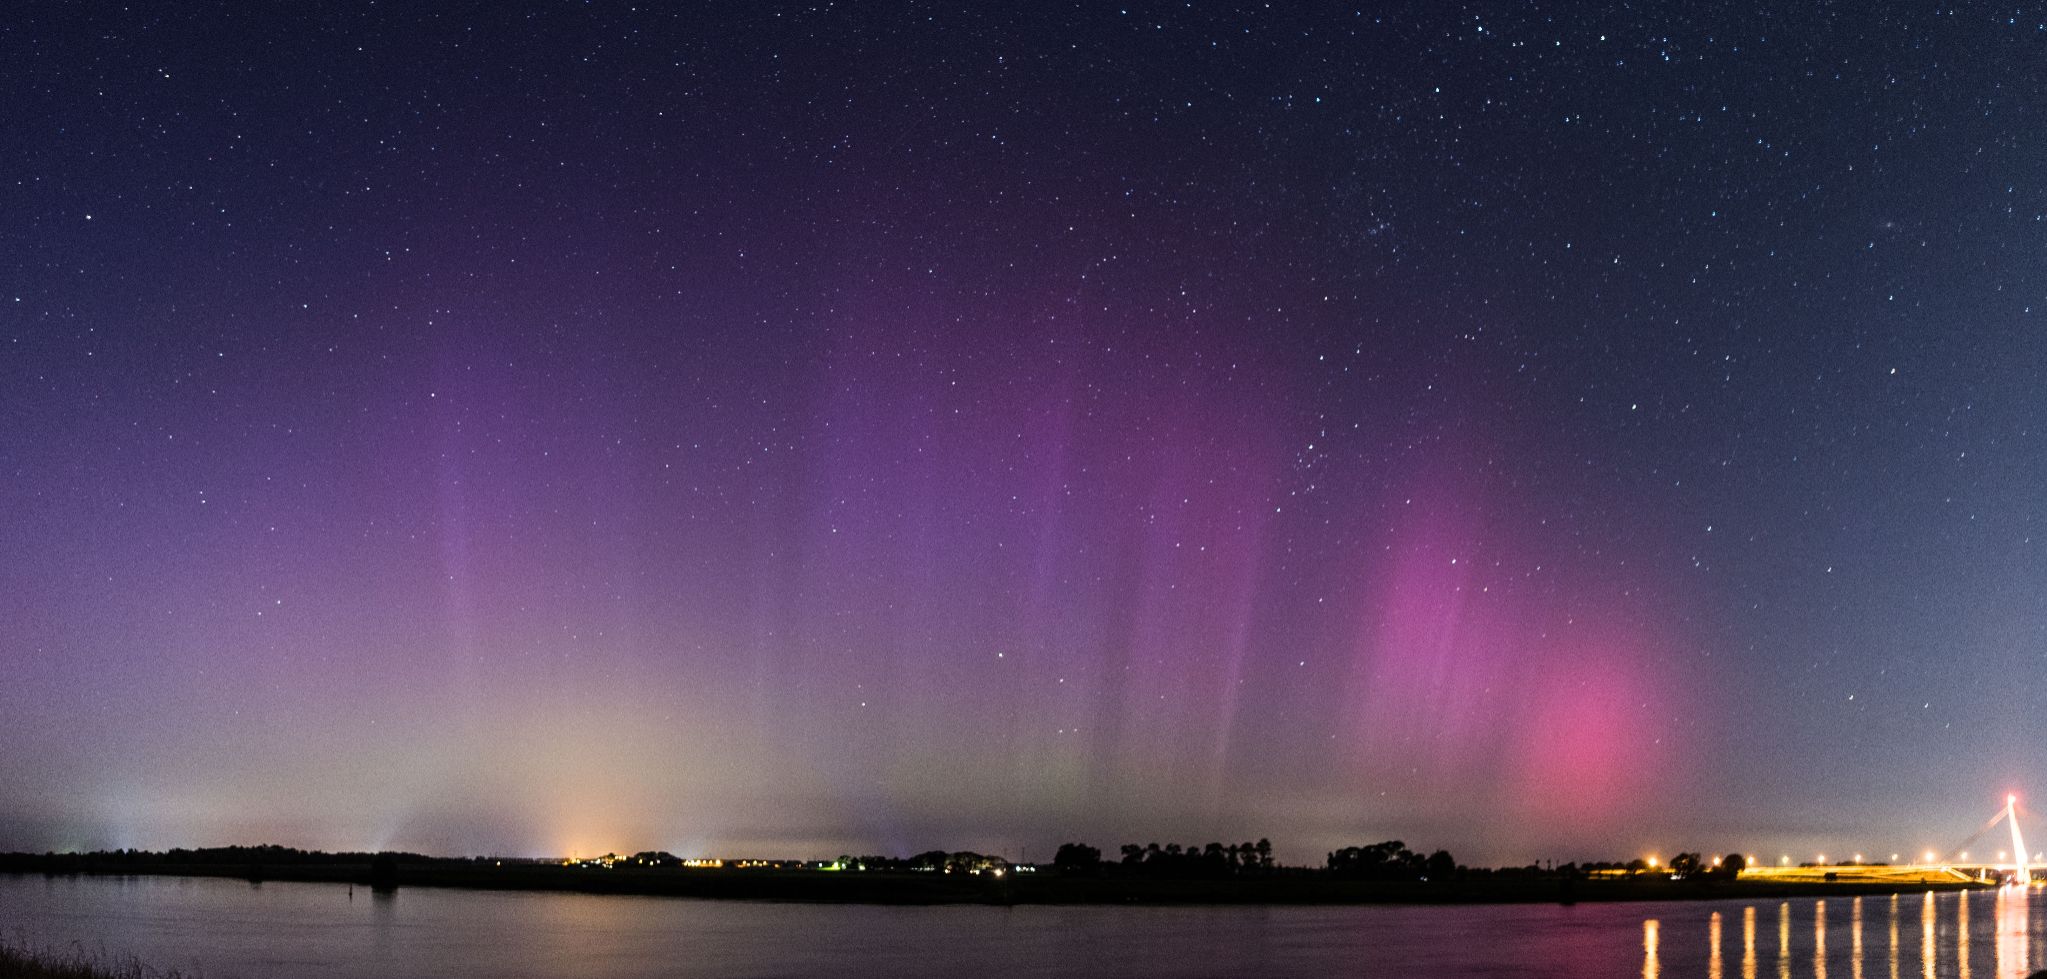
(1441, 866)
(1391, 860)
(1078, 858)
(1733, 863)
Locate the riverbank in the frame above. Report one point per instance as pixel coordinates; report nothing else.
(1010, 889)
(22, 963)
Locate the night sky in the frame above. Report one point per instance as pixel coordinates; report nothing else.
(759, 429)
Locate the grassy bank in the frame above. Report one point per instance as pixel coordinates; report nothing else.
(17, 962)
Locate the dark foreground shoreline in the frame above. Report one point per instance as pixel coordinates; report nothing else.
(1045, 888)
(17, 962)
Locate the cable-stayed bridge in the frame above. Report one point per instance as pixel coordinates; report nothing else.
(1977, 858)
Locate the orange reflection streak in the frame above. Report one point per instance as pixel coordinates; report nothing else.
(1784, 940)
(1650, 967)
(1748, 942)
(1713, 940)
(2012, 932)
(1962, 934)
(1894, 937)
(1927, 950)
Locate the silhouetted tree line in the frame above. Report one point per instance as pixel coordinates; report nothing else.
(219, 856)
(1193, 861)
(1391, 860)
(1688, 865)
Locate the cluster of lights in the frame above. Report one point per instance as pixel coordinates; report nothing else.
(606, 861)
(1929, 857)
(1932, 857)
(613, 860)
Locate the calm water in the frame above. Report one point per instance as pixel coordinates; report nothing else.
(230, 928)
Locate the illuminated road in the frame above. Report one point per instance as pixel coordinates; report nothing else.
(1933, 868)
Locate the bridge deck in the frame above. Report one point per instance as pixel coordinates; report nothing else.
(1929, 873)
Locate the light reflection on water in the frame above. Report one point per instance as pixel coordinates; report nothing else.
(1650, 968)
(1819, 940)
(1928, 949)
(1962, 939)
(1713, 964)
(1855, 938)
(2013, 932)
(225, 928)
(1748, 942)
(1894, 937)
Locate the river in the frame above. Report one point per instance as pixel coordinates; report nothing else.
(228, 928)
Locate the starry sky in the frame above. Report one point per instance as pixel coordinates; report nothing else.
(1543, 431)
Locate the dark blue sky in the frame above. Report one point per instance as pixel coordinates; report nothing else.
(1540, 432)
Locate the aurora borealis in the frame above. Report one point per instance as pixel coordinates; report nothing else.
(1538, 431)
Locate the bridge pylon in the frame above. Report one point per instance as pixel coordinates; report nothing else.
(2022, 857)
